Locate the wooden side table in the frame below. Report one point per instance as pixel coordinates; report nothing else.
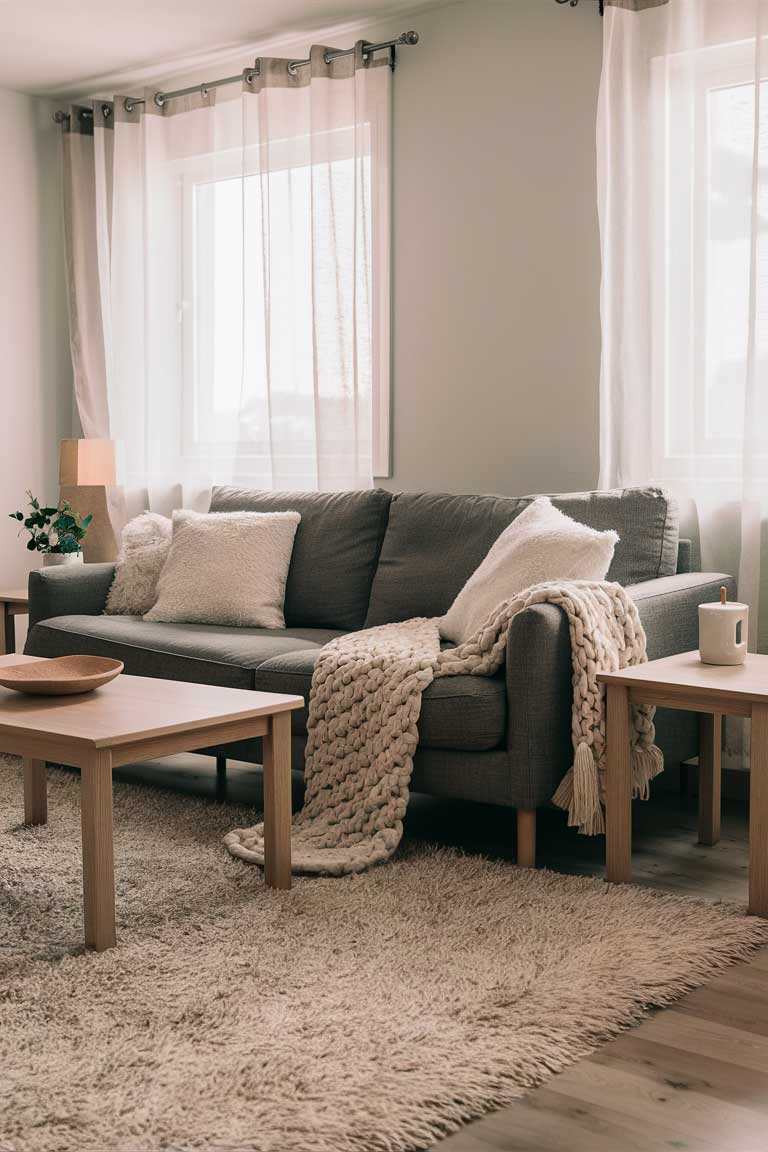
(14, 603)
(682, 681)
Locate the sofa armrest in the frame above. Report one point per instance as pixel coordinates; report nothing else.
(539, 702)
(80, 591)
(668, 608)
(539, 671)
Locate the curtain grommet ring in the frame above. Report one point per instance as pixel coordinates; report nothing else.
(159, 99)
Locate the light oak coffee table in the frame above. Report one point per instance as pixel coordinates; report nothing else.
(682, 681)
(131, 719)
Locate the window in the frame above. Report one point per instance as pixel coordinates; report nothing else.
(285, 296)
(704, 141)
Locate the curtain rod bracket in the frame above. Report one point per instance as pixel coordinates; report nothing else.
(575, 4)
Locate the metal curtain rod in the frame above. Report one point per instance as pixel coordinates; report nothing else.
(247, 75)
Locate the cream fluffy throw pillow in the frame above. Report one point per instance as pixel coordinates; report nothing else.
(540, 544)
(144, 548)
(227, 568)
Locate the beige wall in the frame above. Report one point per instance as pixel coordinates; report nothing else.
(496, 265)
(34, 348)
(496, 258)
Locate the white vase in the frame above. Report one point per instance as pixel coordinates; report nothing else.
(53, 559)
(723, 633)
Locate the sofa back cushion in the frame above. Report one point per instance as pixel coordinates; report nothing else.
(434, 542)
(335, 551)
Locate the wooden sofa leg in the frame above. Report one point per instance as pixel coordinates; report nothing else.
(526, 837)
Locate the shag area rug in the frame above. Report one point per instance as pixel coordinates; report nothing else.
(375, 1012)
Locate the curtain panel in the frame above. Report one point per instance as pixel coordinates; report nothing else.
(682, 154)
(228, 265)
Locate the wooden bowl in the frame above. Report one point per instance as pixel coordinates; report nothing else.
(64, 676)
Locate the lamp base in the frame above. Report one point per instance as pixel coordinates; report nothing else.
(100, 544)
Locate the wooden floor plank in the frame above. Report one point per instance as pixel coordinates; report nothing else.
(670, 1066)
(700, 1035)
(682, 1113)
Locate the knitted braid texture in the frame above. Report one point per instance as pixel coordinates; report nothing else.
(364, 705)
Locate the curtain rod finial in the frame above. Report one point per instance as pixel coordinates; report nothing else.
(410, 37)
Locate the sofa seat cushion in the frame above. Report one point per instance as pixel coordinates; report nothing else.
(468, 713)
(205, 653)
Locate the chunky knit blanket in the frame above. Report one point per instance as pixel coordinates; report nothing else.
(364, 705)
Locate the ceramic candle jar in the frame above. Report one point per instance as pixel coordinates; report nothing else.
(723, 633)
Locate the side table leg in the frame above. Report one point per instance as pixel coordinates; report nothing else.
(277, 802)
(98, 860)
(758, 813)
(710, 740)
(35, 792)
(618, 789)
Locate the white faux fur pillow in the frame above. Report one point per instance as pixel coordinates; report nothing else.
(540, 544)
(144, 548)
(227, 568)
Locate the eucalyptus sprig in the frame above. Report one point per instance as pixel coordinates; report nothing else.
(53, 529)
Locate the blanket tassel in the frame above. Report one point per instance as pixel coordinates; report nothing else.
(647, 763)
(579, 792)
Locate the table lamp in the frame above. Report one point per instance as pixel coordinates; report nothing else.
(87, 481)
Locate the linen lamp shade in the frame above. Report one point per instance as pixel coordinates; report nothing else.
(87, 462)
(87, 479)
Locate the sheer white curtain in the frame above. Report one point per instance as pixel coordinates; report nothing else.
(230, 284)
(683, 200)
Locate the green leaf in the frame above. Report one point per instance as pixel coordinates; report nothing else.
(86, 520)
(16, 515)
(32, 544)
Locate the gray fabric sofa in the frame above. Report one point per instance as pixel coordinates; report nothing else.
(367, 558)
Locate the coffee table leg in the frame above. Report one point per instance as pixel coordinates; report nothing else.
(618, 789)
(277, 802)
(710, 740)
(35, 792)
(98, 861)
(758, 813)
